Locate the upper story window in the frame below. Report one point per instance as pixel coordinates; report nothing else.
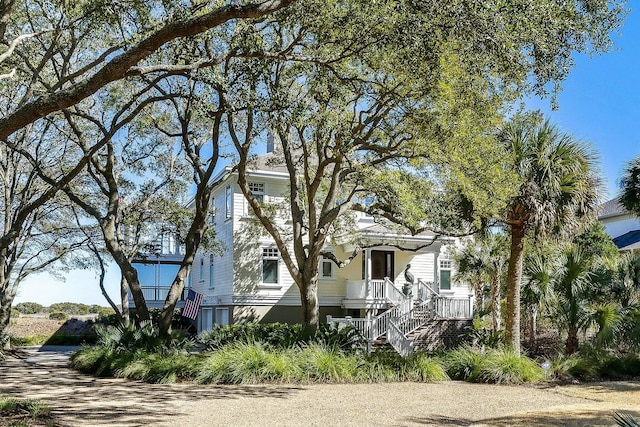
(228, 198)
(270, 263)
(445, 273)
(257, 189)
(201, 269)
(326, 268)
(212, 211)
(210, 271)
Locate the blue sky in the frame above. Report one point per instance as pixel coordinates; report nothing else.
(600, 103)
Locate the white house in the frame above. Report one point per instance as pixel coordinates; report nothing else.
(620, 224)
(247, 281)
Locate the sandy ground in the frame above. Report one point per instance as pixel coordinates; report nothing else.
(80, 400)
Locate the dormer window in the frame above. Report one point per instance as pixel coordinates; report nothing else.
(326, 268)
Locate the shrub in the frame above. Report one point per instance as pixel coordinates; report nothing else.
(29, 340)
(59, 315)
(281, 335)
(491, 366)
(463, 364)
(70, 308)
(157, 367)
(425, 369)
(29, 308)
(589, 366)
(505, 366)
(144, 338)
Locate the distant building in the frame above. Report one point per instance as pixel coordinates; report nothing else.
(620, 224)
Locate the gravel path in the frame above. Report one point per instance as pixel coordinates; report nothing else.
(80, 400)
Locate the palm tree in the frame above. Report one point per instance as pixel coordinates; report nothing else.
(630, 184)
(482, 262)
(558, 187)
(627, 283)
(537, 290)
(572, 287)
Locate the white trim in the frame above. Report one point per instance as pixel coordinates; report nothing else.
(321, 275)
(279, 300)
(272, 254)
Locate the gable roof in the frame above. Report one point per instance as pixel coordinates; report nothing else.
(611, 208)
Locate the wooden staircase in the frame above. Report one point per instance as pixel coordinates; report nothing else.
(397, 326)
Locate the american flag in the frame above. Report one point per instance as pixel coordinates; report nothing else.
(192, 305)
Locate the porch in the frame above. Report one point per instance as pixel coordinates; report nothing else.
(407, 312)
(156, 295)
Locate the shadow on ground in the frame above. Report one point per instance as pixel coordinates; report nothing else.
(78, 399)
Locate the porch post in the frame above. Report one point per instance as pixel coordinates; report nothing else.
(367, 270)
(436, 271)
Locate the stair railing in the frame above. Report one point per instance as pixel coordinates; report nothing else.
(425, 290)
(398, 340)
(380, 323)
(392, 293)
(416, 317)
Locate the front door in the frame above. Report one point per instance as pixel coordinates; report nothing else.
(382, 265)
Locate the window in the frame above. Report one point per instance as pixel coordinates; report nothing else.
(211, 271)
(326, 268)
(445, 273)
(270, 260)
(228, 205)
(222, 316)
(257, 189)
(212, 212)
(201, 269)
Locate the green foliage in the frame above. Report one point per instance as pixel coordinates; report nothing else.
(482, 336)
(491, 366)
(630, 184)
(281, 335)
(70, 308)
(59, 315)
(144, 338)
(245, 363)
(94, 308)
(29, 308)
(157, 367)
(36, 410)
(596, 244)
(593, 364)
(29, 340)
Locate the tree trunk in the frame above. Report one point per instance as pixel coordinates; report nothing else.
(496, 321)
(177, 287)
(127, 270)
(124, 302)
(309, 300)
(192, 243)
(572, 341)
(514, 275)
(5, 318)
(533, 327)
(479, 298)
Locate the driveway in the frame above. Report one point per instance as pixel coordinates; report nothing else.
(81, 400)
